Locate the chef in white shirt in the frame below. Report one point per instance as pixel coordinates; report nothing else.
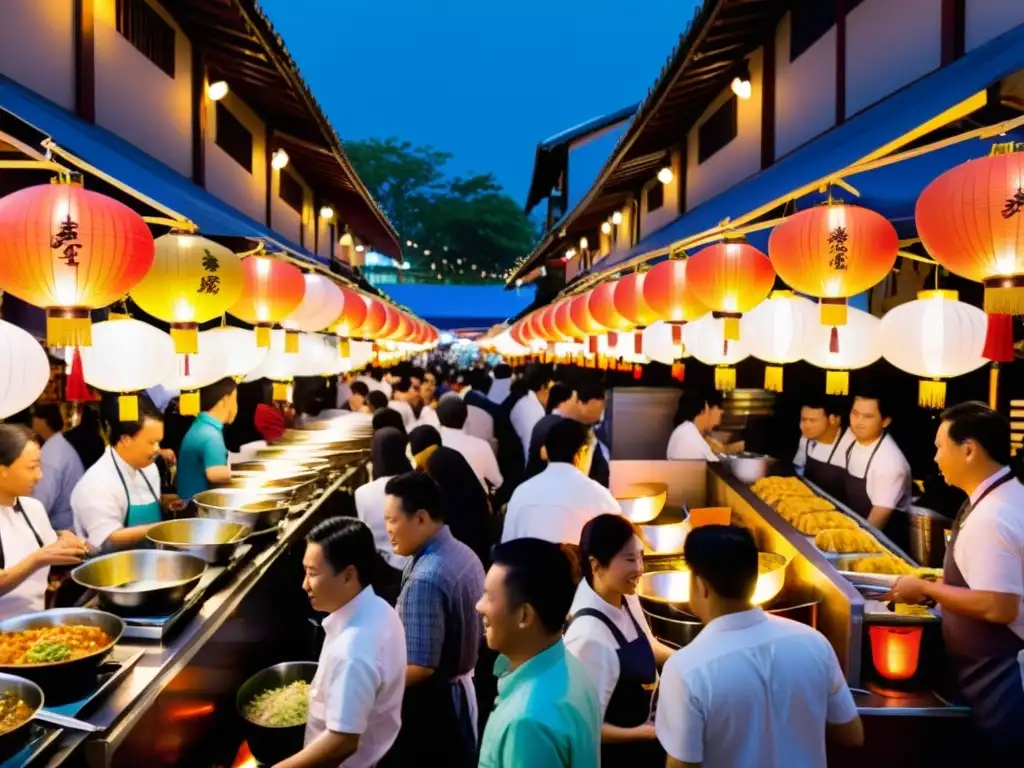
(452, 413)
(981, 593)
(118, 497)
(821, 455)
(402, 397)
(530, 408)
(28, 544)
(557, 503)
(751, 689)
(355, 699)
(877, 483)
(696, 416)
(609, 633)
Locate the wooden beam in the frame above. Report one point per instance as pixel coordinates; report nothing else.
(268, 150)
(840, 61)
(954, 22)
(85, 60)
(199, 123)
(768, 101)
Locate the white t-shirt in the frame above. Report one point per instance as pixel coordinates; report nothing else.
(590, 641)
(752, 690)
(370, 509)
(428, 416)
(555, 505)
(989, 549)
(500, 390)
(688, 444)
(360, 680)
(822, 451)
(524, 417)
(405, 410)
(889, 476)
(99, 501)
(477, 452)
(373, 385)
(18, 543)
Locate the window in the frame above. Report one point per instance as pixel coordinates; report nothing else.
(655, 196)
(144, 28)
(233, 137)
(290, 190)
(718, 130)
(810, 21)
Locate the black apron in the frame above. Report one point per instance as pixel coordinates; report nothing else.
(855, 496)
(633, 696)
(984, 657)
(824, 474)
(20, 511)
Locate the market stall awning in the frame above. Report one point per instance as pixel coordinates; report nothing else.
(900, 116)
(131, 167)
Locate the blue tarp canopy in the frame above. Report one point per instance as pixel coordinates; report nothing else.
(132, 167)
(461, 306)
(891, 190)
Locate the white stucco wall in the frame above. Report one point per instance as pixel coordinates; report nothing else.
(37, 47)
(805, 90)
(987, 19)
(136, 99)
(889, 45)
(227, 179)
(669, 211)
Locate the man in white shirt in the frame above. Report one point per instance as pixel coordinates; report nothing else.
(981, 593)
(355, 700)
(502, 383)
(531, 407)
(821, 454)
(557, 503)
(452, 413)
(479, 422)
(696, 416)
(374, 379)
(402, 397)
(752, 689)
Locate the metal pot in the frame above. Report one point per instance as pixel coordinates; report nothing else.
(268, 745)
(664, 539)
(60, 677)
(214, 540)
(642, 502)
(289, 489)
(306, 452)
(326, 432)
(250, 508)
(141, 581)
(673, 586)
(282, 467)
(30, 693)
(748, 468)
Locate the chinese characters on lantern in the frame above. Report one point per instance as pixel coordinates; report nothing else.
(1014, 204)
(210, 283)
(67, 236)
(837, 248)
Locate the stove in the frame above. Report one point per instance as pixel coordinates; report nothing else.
(81, 695)
(41, 738)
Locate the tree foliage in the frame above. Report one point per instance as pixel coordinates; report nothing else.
(452, 217)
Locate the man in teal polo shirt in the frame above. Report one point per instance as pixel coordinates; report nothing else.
(547, 713)
(203, 459)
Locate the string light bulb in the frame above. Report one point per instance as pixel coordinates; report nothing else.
(606, 227)
(741, 83)
(279, 159)
(326, 212)
(584, 244)
(217, 91)
(617, 218)
(665, 175)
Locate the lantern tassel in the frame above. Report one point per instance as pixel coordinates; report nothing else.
(186, 338)
(638, 342)
(127, 408)
(638, 372)
(679, 372)
(837, 382)
(263, 336)
(68, 328)
(773, 378)
(677, 334)
(291, 342)
(833, 341)
(76, 391)
(1004, 296)
(187, 366)
(993, 387)
(592, 344)
(833, 312)
(931, 394)
(731, 328)
(613, 339)
(344, 348)
(188, 404)
(281, 391)
(999, 339)
(725, 378)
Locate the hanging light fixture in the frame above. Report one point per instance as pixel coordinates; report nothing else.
(326, 212)
(741, 83)
(24, 369)
(279, 159)
(617, 218)
(665, 175)
(272, 289)
(217, 90)
(606, 227)
(860, 345)
(704, 340)
(777, 330)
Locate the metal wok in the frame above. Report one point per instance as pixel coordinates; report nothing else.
(271, 745)
(25, 690)
(212, 539)
(147, 582)
(250, 508)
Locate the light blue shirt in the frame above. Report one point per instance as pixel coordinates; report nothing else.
(202, 448)
(62, 469)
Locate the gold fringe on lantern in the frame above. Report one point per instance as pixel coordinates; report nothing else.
(725, 378)
(1005, 296)
(344, 348)
(993, 387)
(127, 408)
(833, 312)
(68, 328)
(773, 378)
(186, 338)
(188, 404)
(282, 392)
(291, 342)
(731, 328)
(931, 393)
(837, 382)
(262, 336)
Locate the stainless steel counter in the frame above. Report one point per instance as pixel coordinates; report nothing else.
(131, 702)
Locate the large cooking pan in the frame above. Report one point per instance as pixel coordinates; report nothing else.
(673, 586)
(271, 745)
(291, 488)
(250, 508)
(214, 540)
(146, 582)
(25, 690)
(327, 434)
(58, 677)
(311, 451)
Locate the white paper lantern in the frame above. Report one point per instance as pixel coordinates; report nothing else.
(705, 340)
(190, 373)
(24, 369)
(127, 356)
(236, 346)
(359, 356)
(934, 337)
(278, 366)
(663, 343)
(318, 355)
(321, 305)
(859, 345)
(777, 331)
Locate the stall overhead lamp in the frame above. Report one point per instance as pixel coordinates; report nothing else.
(279, 159)
(741, 83)
(326, 212)
(665, 175)
(584, 244)
(360, 249)
(606, 227)
(217, 91)
(617, 218)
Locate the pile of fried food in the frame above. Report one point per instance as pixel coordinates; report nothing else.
(47, 645)
(814, 516)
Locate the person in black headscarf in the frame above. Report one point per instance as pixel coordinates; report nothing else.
(388, 417)
(388, 458)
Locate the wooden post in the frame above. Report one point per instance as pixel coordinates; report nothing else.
(85, 60)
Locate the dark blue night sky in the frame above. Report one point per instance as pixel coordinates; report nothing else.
(482, 79)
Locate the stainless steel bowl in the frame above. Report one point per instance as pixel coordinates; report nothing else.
(306, 452)
(642, 502)
(664, 539)
(250, 508)
(748, 468)
(282, 467)
(141, 581)
(326, 432)
(290, 490)
(30, 693)
(272, 745)
(211, 539)
(673, 586)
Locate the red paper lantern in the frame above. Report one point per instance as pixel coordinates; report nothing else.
(516, 332)
(630, 303)
(833, 252)
(602, 309)
(564, 323)
(579, 312)
(353, 313)
(376, 319)
(730, 278)
(668, 294)
(271, 291)
(69, 250)
(545, 324)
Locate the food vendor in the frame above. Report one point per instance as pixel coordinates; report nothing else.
(28, 544)
(981, 594)
(609, 633)
(118, 497)
(877, 482)
(355, 699)
(821, 454)
(204, 455)
(696, 416)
